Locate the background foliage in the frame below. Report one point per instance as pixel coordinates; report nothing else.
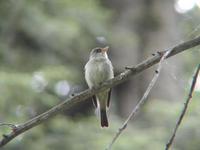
(44, 45)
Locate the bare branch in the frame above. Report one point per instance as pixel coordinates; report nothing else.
(82, 96)
(168, 145)
(141, 101)
(9, 125)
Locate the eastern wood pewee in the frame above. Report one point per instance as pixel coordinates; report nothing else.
(97, 70)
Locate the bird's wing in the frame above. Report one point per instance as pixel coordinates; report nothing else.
(94, 100)
(108, 101)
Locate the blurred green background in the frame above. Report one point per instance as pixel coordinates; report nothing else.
(45, 44)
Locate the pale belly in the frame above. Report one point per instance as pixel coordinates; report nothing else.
(98, 72)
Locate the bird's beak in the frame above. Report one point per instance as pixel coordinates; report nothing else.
(105, 49)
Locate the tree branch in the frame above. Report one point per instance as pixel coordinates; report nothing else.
(8, 124)
(82, 96)
(141, 101)
(168, 145)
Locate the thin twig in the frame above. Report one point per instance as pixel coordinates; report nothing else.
(9, 125)
(168, 145)
(141, 101)
(82, 96)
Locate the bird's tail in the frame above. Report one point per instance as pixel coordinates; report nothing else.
(104, 119)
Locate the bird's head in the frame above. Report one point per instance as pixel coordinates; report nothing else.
(99, 52)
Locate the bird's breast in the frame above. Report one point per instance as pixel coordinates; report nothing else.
(98, 72)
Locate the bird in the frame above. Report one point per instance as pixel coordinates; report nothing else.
(98, 70)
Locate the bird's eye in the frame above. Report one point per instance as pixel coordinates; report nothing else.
(98, 50)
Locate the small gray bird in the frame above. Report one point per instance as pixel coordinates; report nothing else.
(97, 70)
